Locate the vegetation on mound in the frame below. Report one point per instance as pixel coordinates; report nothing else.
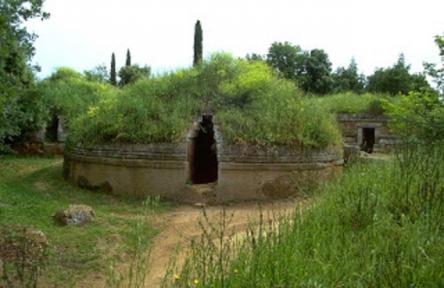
(32, 190)
(151, 110)
(68, 93)
(353, 103)
(251, 103)
(380, 225)
(417, 117)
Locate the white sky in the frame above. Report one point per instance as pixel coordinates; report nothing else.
(83, 33)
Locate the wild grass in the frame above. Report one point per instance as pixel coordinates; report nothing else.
(251, 103)
(380, 225)
(32, 190)
(353, 103)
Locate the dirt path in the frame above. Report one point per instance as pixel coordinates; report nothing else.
(181, 225)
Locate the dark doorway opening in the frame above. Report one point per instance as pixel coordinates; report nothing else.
(203, 153)
(368, 139)
(52, 129)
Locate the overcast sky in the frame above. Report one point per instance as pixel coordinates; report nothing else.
(83, 33)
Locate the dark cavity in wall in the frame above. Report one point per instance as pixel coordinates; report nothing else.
(203, 153)
(368, 139)
(52, 129)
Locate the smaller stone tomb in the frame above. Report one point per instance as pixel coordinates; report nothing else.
(368, 132)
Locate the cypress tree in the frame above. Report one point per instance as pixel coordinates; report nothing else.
(113, 78)
(128, 58)
(197, 44)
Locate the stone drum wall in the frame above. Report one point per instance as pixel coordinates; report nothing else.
(244, 172)
(201, 168)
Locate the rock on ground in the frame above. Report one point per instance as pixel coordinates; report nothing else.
(75, 215)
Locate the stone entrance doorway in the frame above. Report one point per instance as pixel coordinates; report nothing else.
(368, 139)
(202, 153)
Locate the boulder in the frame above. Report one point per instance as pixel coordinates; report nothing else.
(75, 215)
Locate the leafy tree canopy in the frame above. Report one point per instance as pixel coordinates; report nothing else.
(130, 74)
(417, 117)
(97, 74)
(255, 57)
(397, 79)
(310, 70)
(17, 43)
(348, 79)
(287, 59)
(437, 73)
(20, 106)
(69, 93)
(317, 78)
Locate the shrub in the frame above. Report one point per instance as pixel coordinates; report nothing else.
(23, 111)
(68, 93)
(417, 117)
(23, 252)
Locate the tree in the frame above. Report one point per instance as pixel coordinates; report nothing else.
(397, 79)
(21, 108)
(130, 74)
(198, 49)
(437, 74)
(128, 58)
(317, 78)
(348, 79)
(97, 74)
(255, 57)
(310, 70)
(113, 76)
(287, 59)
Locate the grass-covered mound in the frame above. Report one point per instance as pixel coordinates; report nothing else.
(250, 102)
(151, 110)
(380, 225)
(353, 103)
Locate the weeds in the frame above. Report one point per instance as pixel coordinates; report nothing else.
(380, 225)
(23, 256)
(138, 242)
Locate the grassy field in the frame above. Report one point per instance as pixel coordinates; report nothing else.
(380, 225)
(32, 190)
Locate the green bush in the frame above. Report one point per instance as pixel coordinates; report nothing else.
(69, 93)
(417, 117)
(22, 112)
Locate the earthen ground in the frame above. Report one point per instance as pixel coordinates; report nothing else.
(181, 226)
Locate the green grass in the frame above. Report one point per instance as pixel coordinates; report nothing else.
(248, 99)
(32, 190)
(380, 225)
(353, 103)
